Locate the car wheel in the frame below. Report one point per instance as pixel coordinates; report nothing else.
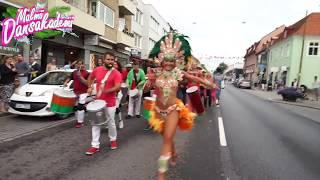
(62, 116)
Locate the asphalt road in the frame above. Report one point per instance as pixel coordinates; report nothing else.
(58, 153)
(270, 141)
(264, 140)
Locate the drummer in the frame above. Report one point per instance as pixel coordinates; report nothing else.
(135, 80)
(109, 95)
(117, 66)
(80, 86)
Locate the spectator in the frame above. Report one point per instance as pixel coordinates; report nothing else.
(125, 71)
(52, 66)
(23, 70)
(34, 68)
(99, 62)
(7, 78)
(294, 83)
(316, 87)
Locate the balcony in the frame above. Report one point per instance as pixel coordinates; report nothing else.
(125, 39)
(82, 19)
(126, 7)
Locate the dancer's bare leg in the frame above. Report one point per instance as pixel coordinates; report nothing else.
(169, 131)
(174, 156)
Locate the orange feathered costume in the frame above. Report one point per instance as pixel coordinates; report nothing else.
(186, 118)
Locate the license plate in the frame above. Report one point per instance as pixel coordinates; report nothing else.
(23, 106)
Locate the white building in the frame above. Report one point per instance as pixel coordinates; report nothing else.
(148, 27)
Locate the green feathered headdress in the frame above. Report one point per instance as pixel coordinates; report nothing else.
(185, 46)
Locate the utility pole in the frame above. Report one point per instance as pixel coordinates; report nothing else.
(302, 48)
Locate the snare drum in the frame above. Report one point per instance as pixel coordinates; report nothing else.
(148, 105)
(195, 99)
(134, 93)
(97, 112)
(63, 102)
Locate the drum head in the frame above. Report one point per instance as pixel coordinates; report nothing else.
(150, 98)
(124, 85)
(64, 93)
(96, 105)
(133, 92)
(192, 89)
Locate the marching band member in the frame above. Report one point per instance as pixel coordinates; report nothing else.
(80, 87)
(135, 80)
(108, 92)
(118, 67)
(168, 111)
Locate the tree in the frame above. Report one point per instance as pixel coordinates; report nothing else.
(222, 67)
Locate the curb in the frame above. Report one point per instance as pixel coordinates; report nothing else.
(5, 114)
(294, 104)
(37, 130)
(286, 102)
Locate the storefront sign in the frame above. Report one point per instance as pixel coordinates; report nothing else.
(31, 20)
(9, 50)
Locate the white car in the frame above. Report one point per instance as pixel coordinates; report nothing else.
(34, 98)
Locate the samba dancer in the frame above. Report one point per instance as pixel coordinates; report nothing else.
(108, 92)
(135, 80)
(80, 87)
(168, 111)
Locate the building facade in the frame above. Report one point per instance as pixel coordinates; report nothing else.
(148, 26)
(296, 52)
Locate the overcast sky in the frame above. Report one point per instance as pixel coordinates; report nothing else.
(229, 27)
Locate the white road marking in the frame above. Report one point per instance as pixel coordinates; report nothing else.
(222, 135)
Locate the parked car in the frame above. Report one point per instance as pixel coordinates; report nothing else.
(34, 98)
(244, 84)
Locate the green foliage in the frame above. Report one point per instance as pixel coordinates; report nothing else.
(61, 9)
(11, 12)
(47, 34)
(222, 66)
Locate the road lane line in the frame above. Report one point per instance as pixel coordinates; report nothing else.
(222, 135)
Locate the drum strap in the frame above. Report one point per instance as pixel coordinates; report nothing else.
(103, 82)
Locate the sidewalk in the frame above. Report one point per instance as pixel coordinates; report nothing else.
(274, 97)
(13, 127)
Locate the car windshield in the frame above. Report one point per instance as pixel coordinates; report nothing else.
(52, 78)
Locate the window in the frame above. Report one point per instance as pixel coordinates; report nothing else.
(105, 14)
(93, 8)
(154, 24)
(288, 50)
(138, 16)
(151, 43)
(137, 40)
(313, 48)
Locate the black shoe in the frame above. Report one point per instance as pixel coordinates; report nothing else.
(147, 128)
(138, 116)
(129, 117)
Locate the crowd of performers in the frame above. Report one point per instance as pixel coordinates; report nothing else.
(173, 92)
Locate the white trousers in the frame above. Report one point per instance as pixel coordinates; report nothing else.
(83, 98)
(112, 129)
(135, 105)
